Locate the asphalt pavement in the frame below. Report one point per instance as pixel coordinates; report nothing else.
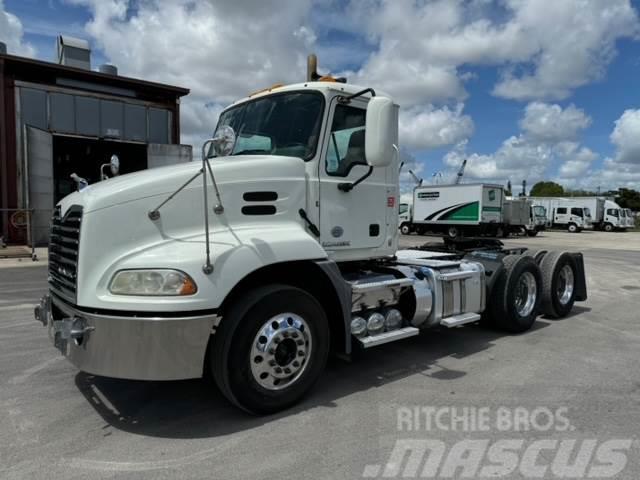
(463, 390)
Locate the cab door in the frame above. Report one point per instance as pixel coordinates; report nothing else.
(355, 219)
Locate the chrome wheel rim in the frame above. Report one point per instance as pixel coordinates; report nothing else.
(280, 350)
(526, 294)
(565, 285)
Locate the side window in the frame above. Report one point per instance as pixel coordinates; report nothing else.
(576, 211)
(612, 211)
(346, 142)
(561, 211)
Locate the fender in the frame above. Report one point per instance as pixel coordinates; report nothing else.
(235, 253)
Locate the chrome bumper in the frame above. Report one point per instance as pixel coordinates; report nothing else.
(147, 348)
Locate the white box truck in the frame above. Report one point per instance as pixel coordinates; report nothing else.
(614, 217)
(564, 213)
(280, 247)
(520, 215)
(457, 210)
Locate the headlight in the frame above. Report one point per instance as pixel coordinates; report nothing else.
(152, 282)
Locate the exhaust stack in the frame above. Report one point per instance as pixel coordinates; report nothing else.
(314, 76)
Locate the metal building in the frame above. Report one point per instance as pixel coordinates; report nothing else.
(62, 118)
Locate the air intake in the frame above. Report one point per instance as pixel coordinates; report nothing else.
(73, 52)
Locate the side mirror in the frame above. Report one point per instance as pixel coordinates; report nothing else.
(221, 144)
(114, 164)
(381, 131)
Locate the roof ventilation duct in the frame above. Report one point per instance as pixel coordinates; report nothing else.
(108, 69)
(73, 52)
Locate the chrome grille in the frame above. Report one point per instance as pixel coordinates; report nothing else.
(64, 243)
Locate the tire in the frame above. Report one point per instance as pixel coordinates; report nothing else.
(532, 233)
(233, 360)
(515, 297)
(558, 284)
(537, 255)
(420, 230)
(404, 229)
(573, 228)
(454, 232)
(608, 227)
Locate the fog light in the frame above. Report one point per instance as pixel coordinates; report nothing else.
(392, 319)
(358, 327)
(375, 323)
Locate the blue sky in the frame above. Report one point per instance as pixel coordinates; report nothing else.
(462, 54)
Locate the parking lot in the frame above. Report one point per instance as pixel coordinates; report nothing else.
(56, 422)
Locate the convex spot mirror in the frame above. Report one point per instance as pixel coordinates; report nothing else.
(381, 132)
(221, 144)
(114, 164)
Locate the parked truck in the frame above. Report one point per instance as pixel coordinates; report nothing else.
(564, 214)
(520, 215)
(456, 210)
(280, 247)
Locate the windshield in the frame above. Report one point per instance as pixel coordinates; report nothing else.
(539, 211)
(282, 124)
(623, 213)
(587, 212)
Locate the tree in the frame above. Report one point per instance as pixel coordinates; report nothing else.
(629, 198)
(546, 189)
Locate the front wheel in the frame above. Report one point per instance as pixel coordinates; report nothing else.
(532, 233)
(573, 228)
(608, 227)
(270, 348)
(404, 229)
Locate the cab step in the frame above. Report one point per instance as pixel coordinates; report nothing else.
(462, 319)
(386, 337)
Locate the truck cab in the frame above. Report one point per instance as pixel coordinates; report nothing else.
(575, 219)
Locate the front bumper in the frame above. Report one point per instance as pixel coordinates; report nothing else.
(137, 348)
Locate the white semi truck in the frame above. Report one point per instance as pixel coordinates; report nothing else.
(280, 247)
(456, 210)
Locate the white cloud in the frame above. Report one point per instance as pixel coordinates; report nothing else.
(546, 49)
(220, 50)
(549, 135)
(11, 33)
(576, 160)
(428, 127)
(545, 122)
(626, 138)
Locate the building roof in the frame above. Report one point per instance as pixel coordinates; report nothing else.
(29, 69)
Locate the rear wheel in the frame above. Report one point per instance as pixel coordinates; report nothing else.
(453, 232)
(558, 284)
(515, 296)
(270, 348)
(537, 255)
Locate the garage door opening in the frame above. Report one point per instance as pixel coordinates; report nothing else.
(85, 157)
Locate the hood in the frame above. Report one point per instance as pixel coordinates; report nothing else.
(164, 181)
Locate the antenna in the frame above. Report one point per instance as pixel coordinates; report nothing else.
(416, 178)
(461, 172)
